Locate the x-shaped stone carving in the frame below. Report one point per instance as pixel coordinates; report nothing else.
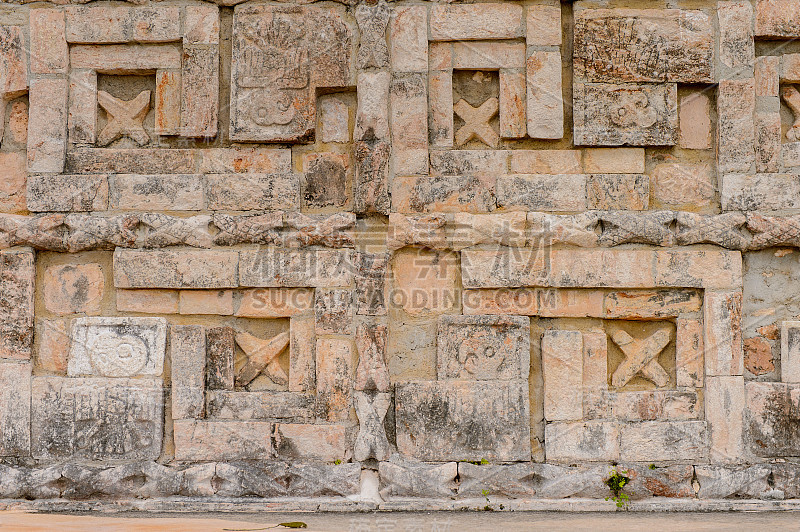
(124, 118)
(371, 441)
(476, 122)
(640, 357)
(262, 355)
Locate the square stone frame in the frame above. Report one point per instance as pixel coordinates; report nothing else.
(718, 273)
(117, 40)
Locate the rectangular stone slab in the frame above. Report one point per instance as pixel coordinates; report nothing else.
(96, 418)
(463, 420)
(483, 347)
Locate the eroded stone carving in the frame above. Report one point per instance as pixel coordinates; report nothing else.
(124, 118)
(769, 231)
(371, 440)
(162, 230)
(476, 122)
(647, 228)
(791, 96)
(724, 229)
(261, 357)
(424, 231)
(372, 22)
(247, 229)
(641, 357)
(319, 230)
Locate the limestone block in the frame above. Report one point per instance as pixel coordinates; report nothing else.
(334, 120)
(117, 347)
(274, 302)
(253, 191)
(542, 192)
(440, 99)
(469, 162)
(324, 443)
(248, 229)
(275, 75)
(266, 404)
(371, 186)
(371, 441)
(546, 162)
(73, 288)
(790, 352)
(219, 302)
(570, 442)
(579, 267)
(187, 354)
(296, 268)
(222, 440)
(723, 333)
(402, 477)
(543, 24)
(262, 356)
(562, 366)
(47, 124)
(508, 229)
(649, 304)
(723, 230)
(161, 230)
(736, 47)
(372, 22)
(710, 269)
(769, 231)
(17, 279)
(15, 408)
(771, 419)
(722, 482)
(175, 269)
(689, 353)
(674, 481)
(735, 126)
(66, 193)
(335, 367)
(618, 191)
(644, 45)
(463, 420)
(326, 179)
(370, 283)
(333, 311)
(682, 184)
(428, 231)
(408, 39)
(49, 53)
(767, 141)
(443, 194)
(653, 227)
(87, 232)
(777, 18)
(258, 160)
(130, 161)
(498, 269)
(767, 75)
(54, 343)
(125, 58)
(108, 24)
(615, 115)
(160, 192)
(302, 364)
(14, 77)
(613, 160)
(545, 108)
(82, 119)
(372, 373)
(695, 121)
(483, 347)
(13, 175)
(725, 405)
(664, 441)
(96, 418)
(576, 229)
(409, 124)
(147, 301)
(199, 90)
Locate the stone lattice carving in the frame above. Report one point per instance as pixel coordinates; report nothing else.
(723, 230)
(371, 440)
(476, 122)
(641, 357)
(125, 118)
(261, 357)
(255, 229)
(646, 228)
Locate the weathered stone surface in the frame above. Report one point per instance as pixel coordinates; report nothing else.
(776, 18)
(262, 356)
(725, 404)
(644, 45)
(682, 184)
(425, 282)
(497, 269)
(96, 418)
(582, 441)
(541, 192)
(372, 372)
(689, 353)
(332, 231)
(615, 115)
(248, 229)
(483, 347)
(54, 344)
(618, 192)
(656, 405)
(274, 405)
(13, 177)
(409, 39)
(650, 304)
(180, 192)
(695, 121)
(162, 230)
(546, 162)
(17, 278)
(409, 123)
(117, 347)
(463, 420)
(790, 352)
(613, 160)
(295, 268)
(199, 90)
(372, 22)
(641, 357)
(302, 364)
(508, 229)
(334, 120)
(370, 283)
(73, 288)
(735, 126)
(275, 74)
(252, 191)
(219, 358)
(723, 333)
(67, 193)
(562, 366)
(721, 482)
(187, 354)
(335, 366)
(545, 110)
(15, 408)
(427, 231)
(175, 269)
(771, 231)
(475, 22)
(219, 302)
(664, 440)
(47, 124)
(444, 194)
(402, 477)
(325, 180)
(311, 442)
(371, 189)
(771, 418)
(222, 440)
(125, 118)
(652, 227)
(371, 441)
(333, 311)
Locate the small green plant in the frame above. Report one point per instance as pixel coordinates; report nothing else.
(488, 507)
(483, 461)
(337, 462)
(616, 482)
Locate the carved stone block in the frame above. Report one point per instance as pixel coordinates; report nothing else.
(96, 418)
(483, 347)
(17, 274)
(15, 408)
(117, 347)
(463, 420)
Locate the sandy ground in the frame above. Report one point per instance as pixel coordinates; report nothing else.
(406, 521)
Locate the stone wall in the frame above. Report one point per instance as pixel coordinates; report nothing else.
(383, 254)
